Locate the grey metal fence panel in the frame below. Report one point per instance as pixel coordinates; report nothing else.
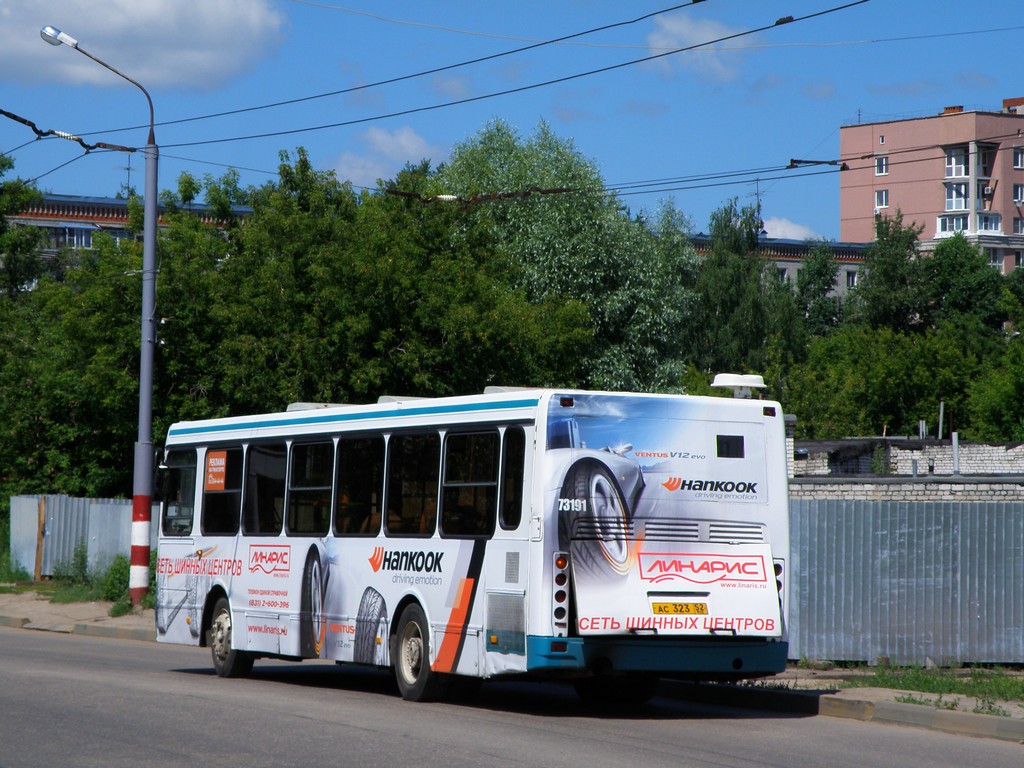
(102, 526)
(109, 532)
(67, 521)
(24, 531)
(914, 582)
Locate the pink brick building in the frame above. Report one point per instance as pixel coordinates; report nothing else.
(959, 171)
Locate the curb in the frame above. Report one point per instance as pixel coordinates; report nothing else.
(828, 704)
(91, 630)
(117, 633)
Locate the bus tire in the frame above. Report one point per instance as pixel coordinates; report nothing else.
(369, 620)
(606, 550)
(312, 623)
(227, 662)
(411, 657)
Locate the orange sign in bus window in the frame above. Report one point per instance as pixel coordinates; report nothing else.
(216, 470)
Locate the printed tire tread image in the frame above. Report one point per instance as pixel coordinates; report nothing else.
(372, 610)
(411, 658)
(312, 623)
(608, 552)
(227, 662)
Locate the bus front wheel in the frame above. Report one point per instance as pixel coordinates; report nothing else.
(227, 661)
(416, 680)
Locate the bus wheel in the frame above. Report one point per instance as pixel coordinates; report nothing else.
(602, 545)
(312, 627)
(416, 681)
(227, 662)
(617, 692)
(370, 628)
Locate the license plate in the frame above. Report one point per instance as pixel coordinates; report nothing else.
(680, 608)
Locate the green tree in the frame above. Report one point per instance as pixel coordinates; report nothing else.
(570, 241)
(746, 319)
(21, 262)
(815, 290)
(958, 283)
(69, 381)
(861, 381)
(890, 291)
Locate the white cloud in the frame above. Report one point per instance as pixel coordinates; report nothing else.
(386, 153)
(683, 31)
(451, 88)
(788, 230)
(157, 42)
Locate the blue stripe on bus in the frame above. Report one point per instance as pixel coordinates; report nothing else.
(336, 418)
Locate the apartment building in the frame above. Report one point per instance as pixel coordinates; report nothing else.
(70, 221)
(957, 171)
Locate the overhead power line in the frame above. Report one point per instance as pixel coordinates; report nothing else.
(415, 75)
(521, 89)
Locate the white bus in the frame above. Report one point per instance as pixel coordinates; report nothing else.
(609, 538)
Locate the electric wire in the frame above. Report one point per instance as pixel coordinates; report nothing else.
(520, 89)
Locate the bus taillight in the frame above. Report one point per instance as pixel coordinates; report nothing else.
(778, 577)
(560, 594)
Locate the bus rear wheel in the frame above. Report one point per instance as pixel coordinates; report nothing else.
(416, 680)
(227, 661)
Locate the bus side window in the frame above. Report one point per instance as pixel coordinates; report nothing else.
(413, 465)
(513, 461)
(222, 491)
(309, 489)
(179, 487)
(264, 489)
(360, 486)
(469, 499)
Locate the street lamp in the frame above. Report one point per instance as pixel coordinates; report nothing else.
(142, 484)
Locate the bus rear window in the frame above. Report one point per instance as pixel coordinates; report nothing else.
(730, 446)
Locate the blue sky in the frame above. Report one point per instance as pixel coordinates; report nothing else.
(718, 121)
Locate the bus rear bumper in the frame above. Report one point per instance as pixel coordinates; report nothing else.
(682, 656)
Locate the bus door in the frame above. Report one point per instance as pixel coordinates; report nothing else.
(507, 564)
(177, 598)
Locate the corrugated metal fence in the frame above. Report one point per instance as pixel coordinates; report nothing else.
(103, 526)
(914, 582)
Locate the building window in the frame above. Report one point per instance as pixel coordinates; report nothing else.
(989, 222)
(1018, 193)
(882, 166)
(881, 140)
(881, 198)
(1018, 225)
(950, 224)
(1018, 157)
(1018, 259)
(995, 258)
(851, 278)
(957, 164)
(956, 197)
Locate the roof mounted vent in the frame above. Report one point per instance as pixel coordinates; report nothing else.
(739, 383)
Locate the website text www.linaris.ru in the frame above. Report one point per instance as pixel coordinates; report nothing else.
(267, 629)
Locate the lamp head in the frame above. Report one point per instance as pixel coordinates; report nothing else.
(54, 36)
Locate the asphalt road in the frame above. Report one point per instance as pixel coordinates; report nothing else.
(69, 700)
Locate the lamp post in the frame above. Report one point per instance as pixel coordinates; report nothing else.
(142, 484)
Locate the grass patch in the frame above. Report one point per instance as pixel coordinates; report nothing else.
(982, 683)
(74, 582)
